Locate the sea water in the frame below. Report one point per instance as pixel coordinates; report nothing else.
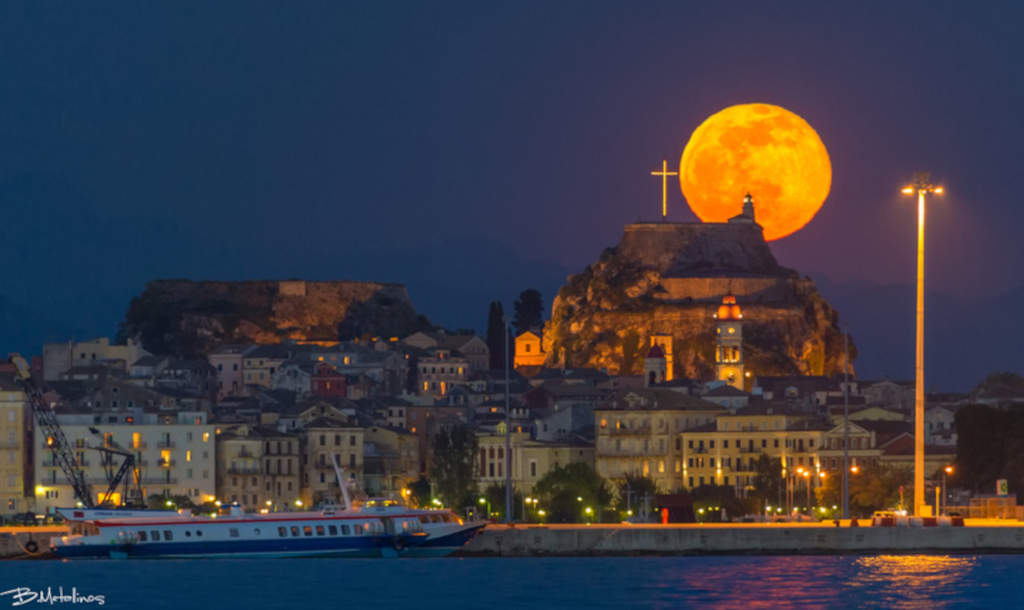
(884, 581)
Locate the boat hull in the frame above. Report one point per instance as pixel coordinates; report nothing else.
(366, 546)
(442, 546)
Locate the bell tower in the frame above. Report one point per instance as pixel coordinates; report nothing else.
(729, 342)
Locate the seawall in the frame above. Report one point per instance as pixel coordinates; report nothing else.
(752, 539)
(15, 542)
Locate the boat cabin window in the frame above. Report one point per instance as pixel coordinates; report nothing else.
(234, 532)
(436, 518)
(199, 532)
(424, 518)
(156, 536)
(359, 530)
(295, 530)
(142, 536)
(256, 531)
(333, 529)
(188, 534)
(282, 531)
(345, 530)
(448, 518)
(307, 530)
(319, 530)
(167, 535)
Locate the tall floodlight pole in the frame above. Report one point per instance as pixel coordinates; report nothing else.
(508, 434)
(846, 421)
(921, 186)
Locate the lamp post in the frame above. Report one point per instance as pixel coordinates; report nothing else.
(945, 491)
(921, 186)
(807, 479)
(846, 421)
(488, 502)
(508, 434)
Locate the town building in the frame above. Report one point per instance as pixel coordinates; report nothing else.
(227, 360)
(175, 452)
(257, 467)
(531, 459)
(60, 357)
(15, 465)
(326, 442)
(440, 370)
(472, 347)
(637, 433)
(391, 460)
(726, 451)
(529, 354)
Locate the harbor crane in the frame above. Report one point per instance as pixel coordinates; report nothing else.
(64, 456)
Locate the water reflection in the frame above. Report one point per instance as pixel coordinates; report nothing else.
(912, 581)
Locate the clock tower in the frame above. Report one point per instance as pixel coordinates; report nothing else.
(729, 340)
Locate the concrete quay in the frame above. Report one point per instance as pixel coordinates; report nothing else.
(15, 541)
(741, 539)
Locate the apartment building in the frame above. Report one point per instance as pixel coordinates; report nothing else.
(15, 483)
(175, 452)
(258, 467)
(637, 431)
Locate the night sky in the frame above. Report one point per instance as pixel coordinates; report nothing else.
(473, 150)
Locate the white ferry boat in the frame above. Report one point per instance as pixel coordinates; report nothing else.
(290, 534)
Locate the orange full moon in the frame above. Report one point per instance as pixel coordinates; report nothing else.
(765, 150)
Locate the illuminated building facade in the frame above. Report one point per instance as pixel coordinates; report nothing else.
(529, 351)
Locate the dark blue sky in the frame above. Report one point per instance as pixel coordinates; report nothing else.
(472, 150)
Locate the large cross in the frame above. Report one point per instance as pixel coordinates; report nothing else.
(664, 173)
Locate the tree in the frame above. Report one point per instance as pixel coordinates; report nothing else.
(871, 488)
(494, 496)
(767, 479)
(419, 493)
(989, 447)
(529, 311)
(496, 336)
(160, 502)
(710, 500)
(568, 491)
(630, 352)
(1004, 378)
(454, 465)
(632, 491)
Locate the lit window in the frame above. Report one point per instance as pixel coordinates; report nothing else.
(206, 437)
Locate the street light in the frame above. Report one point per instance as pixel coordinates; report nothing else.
(488, 502)
(945, 491)
(807, 479)
(922, 186)
(854, 469)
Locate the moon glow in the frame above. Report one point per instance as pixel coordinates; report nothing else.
(766, 150)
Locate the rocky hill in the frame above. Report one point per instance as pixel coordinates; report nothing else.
(669, 278)
(188, 319)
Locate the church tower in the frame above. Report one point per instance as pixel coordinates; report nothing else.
(655, 366)
(729, 352)
(665, 343)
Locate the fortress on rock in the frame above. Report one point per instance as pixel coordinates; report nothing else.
(668, 279)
